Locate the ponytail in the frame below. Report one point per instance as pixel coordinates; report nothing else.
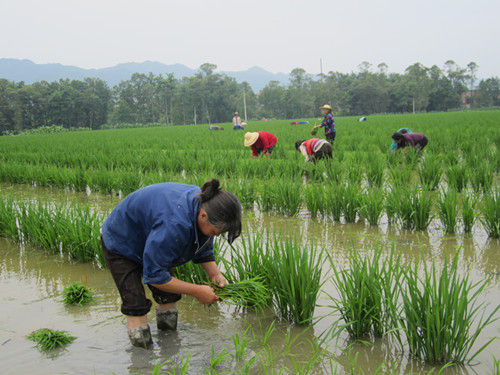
(222, 207)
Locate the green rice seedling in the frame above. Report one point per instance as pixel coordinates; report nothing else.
(482, 177)
(48, 339)
(448, 210)
(240, 345)
(372, 205)
(422, 202)
(351, 202)
(217, 360)
(315, 199)
(375, 171)
(77, 294)
(406, 211)
(288, 198)
(392, 202)
(246, 293)
(191, 272)
(430, 172)
(8, 217)
(294, 274)
(496, 366)
(334, 171)
(441, 317)
(333, 201)
(158, 368)
(457, 177)
(468, 208)
(400, 176)
(368, 291)
(182, 368)
(263, 340)
(490, 214)
(266, 197)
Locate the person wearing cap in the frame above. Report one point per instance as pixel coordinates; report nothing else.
(237, 125)
(328, 123)
(314, 149)
(262, 143)
(158, 228)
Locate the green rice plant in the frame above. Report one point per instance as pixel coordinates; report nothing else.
(335, 171)
(77, 294)
(468, 207)
(48, 339)
(430, 172)
(392, 202)
(333, 201)
(181, 368)
(245, 293)
(482, 177)
(240, 345)
(351, 202)
(372, 205)
(375, 171)
(266, 197)
(217, 360)
(422, 202)
(457, 177)
(314, 196)
(496, 366)
(400, 176)
(294, 274)
(8, 217)
(368, 291)
(246, 193)
(490, 214)
(288, 198)
(191, 272)
(448, 210)
(441, 318)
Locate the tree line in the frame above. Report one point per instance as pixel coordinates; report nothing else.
(210, 97)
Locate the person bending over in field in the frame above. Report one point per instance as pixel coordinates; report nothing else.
(402, 131)
(261, 143)
(328, 123)
(314, 149)
(417, 140)
(156, 229)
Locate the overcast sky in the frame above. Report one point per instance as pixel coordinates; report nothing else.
(274, 34)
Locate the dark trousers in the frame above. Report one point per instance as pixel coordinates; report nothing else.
(330, 137)
(324, 151)
(127, 275)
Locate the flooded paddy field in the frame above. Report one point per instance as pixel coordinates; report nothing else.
(31, 281)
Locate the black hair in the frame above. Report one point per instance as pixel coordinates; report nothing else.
(223, 208)
(403, 131)
(397, 136)
(298, 144)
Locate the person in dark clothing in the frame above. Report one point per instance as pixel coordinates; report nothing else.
(328, 123)
(417, 140)
(154, 230)
(314, 149)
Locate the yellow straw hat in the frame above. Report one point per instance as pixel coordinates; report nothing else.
(326, 106)
(250, 138)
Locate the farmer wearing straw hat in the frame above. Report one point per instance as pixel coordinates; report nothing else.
(156, 229)
(328, 123)
(262, 143)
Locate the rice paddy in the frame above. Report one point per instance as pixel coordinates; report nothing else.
(344, 254)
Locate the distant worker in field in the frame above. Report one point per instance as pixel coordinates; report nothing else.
(417, 140)
(156, 229)
(402, 131)
(237, 124)
(314, 149)
(215, 127)
(262, 143)
(328, 123)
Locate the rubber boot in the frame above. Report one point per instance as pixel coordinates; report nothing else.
(167, 319)
(140, 336)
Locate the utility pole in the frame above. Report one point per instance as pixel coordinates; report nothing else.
(321, 66)
(245, 103)
(194, 115)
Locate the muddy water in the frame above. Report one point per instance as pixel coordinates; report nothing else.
(31, 282)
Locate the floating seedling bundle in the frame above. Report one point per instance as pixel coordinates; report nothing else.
(245, 293)
(77, 294)
(48, 339)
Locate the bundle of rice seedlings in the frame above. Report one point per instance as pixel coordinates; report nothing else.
(77, 294)
(48, 339)
(245, 293)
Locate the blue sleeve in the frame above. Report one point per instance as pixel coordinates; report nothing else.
(159, 254)
(206, 254)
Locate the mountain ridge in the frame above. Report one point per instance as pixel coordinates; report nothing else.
(29, 72)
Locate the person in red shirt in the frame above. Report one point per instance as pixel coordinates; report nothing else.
(262, 143)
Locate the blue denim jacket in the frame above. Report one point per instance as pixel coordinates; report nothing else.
(157, 227)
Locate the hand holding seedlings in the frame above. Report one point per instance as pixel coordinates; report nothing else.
(219, 280)
(205, 294)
